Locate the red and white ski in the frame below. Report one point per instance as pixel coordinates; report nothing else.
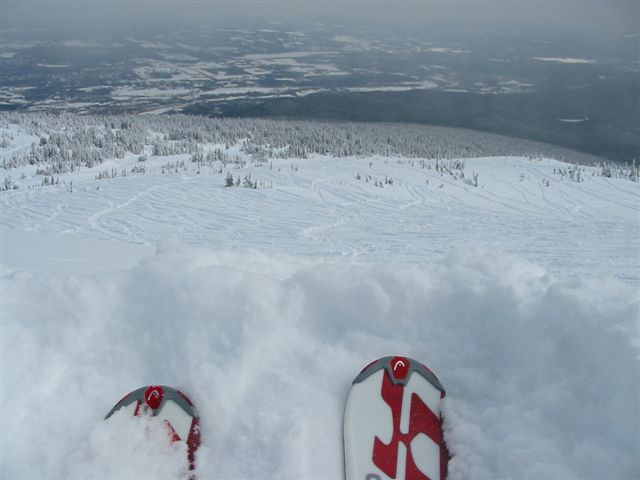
(393, 423)
(170, 405)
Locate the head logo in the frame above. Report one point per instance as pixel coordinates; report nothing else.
(400, 367)
(153, 396)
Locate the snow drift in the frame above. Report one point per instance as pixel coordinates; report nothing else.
(541, 372)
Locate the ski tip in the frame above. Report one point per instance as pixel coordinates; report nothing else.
(171, 406)
(155, 396)
(400, 369)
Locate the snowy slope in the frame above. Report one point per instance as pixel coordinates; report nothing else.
(318, 207)
(263, 304)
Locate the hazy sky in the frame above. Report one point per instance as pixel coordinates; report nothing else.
(86, 16)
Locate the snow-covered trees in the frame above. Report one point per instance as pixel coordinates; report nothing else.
(9, 184)
(69, 141)
(611, 170)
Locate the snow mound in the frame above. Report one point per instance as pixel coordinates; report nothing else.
(128, 447)
(541, 373)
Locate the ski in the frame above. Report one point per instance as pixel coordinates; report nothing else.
(393, 423)
(172, 406)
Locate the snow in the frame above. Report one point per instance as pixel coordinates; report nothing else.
(447, 50)
(46, 65)
(128, 93)
(272, 56)
(541, 373)
(40, 252)
(574, 120)
(573, 229)
(564, 60)
(404, 87)
(263, 305)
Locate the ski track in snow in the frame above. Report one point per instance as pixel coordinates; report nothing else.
(321, 209)
(262, 305)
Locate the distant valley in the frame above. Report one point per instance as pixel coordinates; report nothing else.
(579, 95)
